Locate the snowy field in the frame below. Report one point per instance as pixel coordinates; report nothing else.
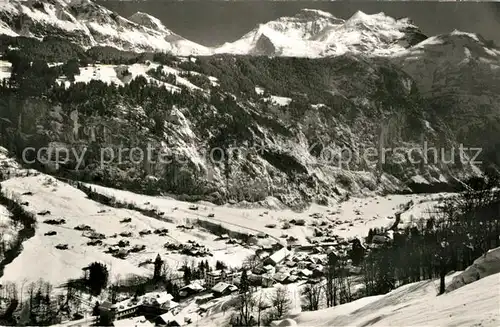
(416, 304)
(65, 201)
(350, 218)
(113, 74)
(40, 258)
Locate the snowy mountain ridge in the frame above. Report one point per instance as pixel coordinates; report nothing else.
(89, 25)
(309, 33)
(314, 33)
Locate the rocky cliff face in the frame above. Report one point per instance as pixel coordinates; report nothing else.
(317, 138)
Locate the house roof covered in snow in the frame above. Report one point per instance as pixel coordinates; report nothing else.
(279, 255)
(167, 317)
(281, 277)
(158, 297)
(221, 287)
(140, 321)
(193, 286)
(153, 298)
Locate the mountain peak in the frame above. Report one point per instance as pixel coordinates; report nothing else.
(312, 13)
(147, 20)
(472, 36)
(89, 24)
(380, 19)
(315, 33)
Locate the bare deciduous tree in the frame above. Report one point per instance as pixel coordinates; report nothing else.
(312, 296)
(281, 301)
(251, 262)
(245, 308)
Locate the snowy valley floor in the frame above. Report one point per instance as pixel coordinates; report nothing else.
(351, 218)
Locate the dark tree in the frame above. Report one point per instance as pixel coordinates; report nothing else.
(219, 265)
(96, 309)
(71, 68)
(244, 284)
(187, 275)
(98, 277)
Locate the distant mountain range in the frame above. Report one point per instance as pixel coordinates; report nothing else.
(309, 33)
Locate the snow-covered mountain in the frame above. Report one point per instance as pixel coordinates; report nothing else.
(315, 33)
(310, 33)
(89, 24)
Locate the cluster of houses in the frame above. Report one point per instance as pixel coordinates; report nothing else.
(285, 266)
(273, 264)
(140, 310)
(191, 248)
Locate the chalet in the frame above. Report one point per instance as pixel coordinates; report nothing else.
(258, 271)
(164, 319)
(255, 280)
(306, 272)
(318, 250)
(169, 319)
(318, 271)
(262, 254)
(303, 264)
(106, 313)
(222, 289)
(267, 280)
(261, 235)
(269, 269)
(140, 321)
(150, 305)
(204, 298)
(380, 239)
(191, 289)
(204, 307)
(277, 257)
(281, 277)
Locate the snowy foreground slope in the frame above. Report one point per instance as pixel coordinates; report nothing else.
(472, 298)
(486, 265)
(416, 304)
(476, 304)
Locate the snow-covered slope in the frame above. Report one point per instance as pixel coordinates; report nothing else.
(315, 33)
(486, 265)
(65, 201)
(416, 304)
(90, 24)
